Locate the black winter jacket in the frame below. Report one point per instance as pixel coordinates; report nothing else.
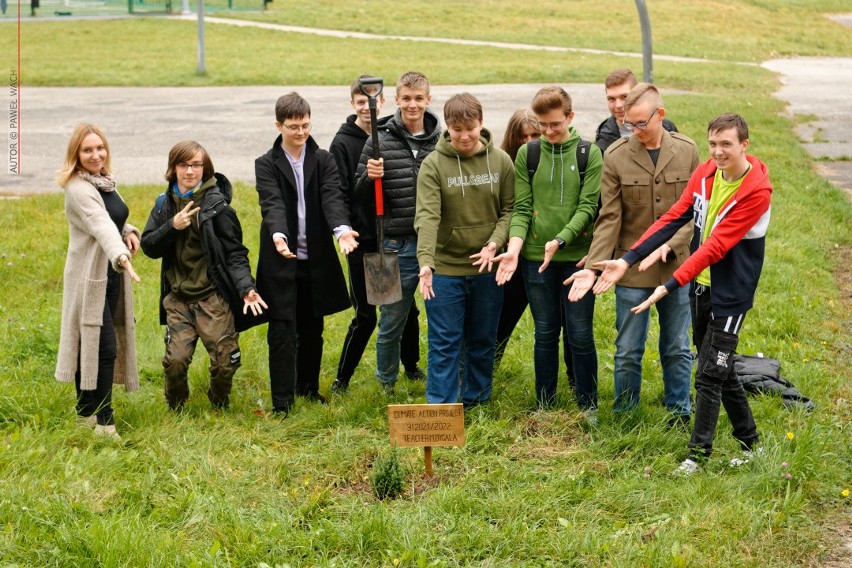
(222, 243)
(346, 149)
(399, 183)
(608, 132)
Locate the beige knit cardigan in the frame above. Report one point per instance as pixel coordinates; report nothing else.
(92, 242)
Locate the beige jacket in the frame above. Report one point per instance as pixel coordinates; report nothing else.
(634, 194)
(92, 242)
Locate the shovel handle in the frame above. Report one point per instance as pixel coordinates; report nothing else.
(380, 201)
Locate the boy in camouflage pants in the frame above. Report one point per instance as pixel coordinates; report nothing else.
(205, 275)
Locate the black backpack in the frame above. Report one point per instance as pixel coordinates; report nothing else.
(534, 156)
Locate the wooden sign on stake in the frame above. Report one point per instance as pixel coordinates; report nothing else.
(426, 425)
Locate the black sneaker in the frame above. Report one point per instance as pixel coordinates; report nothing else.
(415, 374)
(339, 387)
(678, 421)
(316, 397)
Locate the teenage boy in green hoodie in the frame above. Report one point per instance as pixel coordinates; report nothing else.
(465, 194)
(551, 230)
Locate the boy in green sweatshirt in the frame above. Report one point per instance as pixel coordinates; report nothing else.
(551, 230)
(465, 194)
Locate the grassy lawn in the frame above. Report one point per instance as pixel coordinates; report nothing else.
(239, 488)
(161, 52)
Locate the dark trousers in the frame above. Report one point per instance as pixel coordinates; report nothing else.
(99, 401)
(514, 305)
(295, 348)
(716, 380)
(364, 323)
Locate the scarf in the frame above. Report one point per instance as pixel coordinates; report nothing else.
(105, 183)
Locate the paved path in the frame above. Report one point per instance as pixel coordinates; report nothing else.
(235, 124)
(821, 87)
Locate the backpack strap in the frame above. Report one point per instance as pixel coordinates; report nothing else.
(161, 199)
(583, 159)
(534, 156)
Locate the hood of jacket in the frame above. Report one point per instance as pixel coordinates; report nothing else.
(757, 179)
(431, 124)
(446, 148)
(477, 160)
(217, 195)
(350, 129)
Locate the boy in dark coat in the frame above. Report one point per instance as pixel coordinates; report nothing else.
(301, 205)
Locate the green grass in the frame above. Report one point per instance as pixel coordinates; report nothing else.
(753, 31)
(528, 488)
(150, 52)
(236, 488)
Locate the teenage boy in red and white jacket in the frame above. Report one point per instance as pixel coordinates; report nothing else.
(728, 197)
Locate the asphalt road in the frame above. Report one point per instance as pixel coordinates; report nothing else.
(234, 124)
(820, 87)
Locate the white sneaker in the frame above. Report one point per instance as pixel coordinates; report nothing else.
(686, 468)
(746, 457)
(737, 462)
(107, 432)
(87, 421)
(591, 417)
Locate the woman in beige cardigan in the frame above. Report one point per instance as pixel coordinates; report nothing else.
(97, 337)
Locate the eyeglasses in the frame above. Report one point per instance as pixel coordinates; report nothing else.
(183, 166)
(294, 128)
(641, 125)
(545, 126)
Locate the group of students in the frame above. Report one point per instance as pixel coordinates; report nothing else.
(549, 218)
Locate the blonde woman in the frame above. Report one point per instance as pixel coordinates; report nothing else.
(97, 336)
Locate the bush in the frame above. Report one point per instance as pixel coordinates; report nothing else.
(388, 476)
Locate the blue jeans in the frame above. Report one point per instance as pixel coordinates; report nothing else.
(392, 317)
(544, 291)
(675, 358)
(462, 319)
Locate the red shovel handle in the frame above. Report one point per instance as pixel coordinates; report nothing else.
(380, 202)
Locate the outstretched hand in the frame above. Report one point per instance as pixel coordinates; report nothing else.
(581, 282)
(508, 264)
(611, 272)
(253, 301)
(550, 248)
(282, 248)
(655, 297)
(125, 263)
(347, 242)
(484, 259)
(660, 254)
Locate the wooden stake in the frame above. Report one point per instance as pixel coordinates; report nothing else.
(427, 457)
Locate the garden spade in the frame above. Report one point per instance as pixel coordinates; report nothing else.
(381, 269)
